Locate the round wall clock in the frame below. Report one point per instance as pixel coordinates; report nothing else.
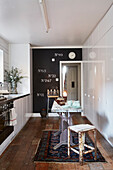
(72, 55)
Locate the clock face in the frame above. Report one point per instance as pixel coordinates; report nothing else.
(72, 55)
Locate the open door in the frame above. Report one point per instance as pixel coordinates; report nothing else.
(71, 80)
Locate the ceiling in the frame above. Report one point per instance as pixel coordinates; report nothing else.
(71, 21)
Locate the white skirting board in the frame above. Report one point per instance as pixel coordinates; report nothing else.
(49, 115)
(53, 115)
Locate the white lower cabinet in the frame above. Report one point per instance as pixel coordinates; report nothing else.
(23, 109)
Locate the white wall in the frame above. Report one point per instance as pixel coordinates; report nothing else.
(98, 76)
(20, 58)
(4, 45)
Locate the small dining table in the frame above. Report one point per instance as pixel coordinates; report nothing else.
(65, 113)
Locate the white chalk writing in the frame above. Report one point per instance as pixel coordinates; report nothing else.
(42, 70)
(51, 75)
(58, 54)
(40, 94)
(46, 80)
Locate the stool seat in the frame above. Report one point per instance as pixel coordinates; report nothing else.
(81, 129)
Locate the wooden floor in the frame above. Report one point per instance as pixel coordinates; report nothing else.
(19, 155)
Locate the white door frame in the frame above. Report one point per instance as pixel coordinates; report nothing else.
(73, 62)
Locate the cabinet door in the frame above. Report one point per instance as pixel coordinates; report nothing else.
(18, 111)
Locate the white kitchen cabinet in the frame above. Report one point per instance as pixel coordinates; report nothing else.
(99, 109)
(23, 110)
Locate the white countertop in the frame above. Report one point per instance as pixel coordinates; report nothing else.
(14, 96)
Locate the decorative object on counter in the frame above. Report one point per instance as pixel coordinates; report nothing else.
(3, 88)
(48, 92)
(65, 95)
(13, 77)
(60, 101)
(69, 106)
(52, 92)
(43, 113)
(74, 104)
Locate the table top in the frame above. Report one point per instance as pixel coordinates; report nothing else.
(65, 108)
(52, 96)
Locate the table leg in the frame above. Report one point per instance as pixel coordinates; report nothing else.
(64, 132)
(60, 128)
(57, 133)
(63, 139)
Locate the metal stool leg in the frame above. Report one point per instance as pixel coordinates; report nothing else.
(68, 142)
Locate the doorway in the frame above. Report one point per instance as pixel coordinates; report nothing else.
(71, 80)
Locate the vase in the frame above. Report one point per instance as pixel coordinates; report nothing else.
(43, 113)
(14, 88)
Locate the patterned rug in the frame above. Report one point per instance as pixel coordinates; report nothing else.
(46, 153)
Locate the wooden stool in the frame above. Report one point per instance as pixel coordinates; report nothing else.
(81, 129)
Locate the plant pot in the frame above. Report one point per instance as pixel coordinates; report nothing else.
(43, 113)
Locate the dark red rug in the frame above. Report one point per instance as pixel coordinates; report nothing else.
(46, 153)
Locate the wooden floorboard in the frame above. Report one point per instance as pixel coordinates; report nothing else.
(19, 155)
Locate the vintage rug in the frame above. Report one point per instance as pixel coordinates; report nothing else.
(46, 153)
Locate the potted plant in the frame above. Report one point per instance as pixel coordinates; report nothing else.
(13, 77)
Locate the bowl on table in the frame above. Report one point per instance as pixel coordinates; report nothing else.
(60, 101)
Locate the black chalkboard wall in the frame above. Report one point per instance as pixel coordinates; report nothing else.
(45, 72)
